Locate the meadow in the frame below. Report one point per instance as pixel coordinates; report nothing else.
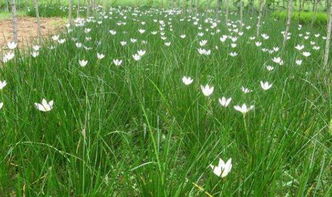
(139, 101)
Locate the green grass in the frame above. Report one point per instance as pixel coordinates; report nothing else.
(7, 15)
(137, 130)
(319, 18)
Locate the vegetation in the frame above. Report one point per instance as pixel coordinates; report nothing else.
(138, 101)
(319, 18)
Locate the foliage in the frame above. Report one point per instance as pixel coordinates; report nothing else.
(55, 10)
(320, 18)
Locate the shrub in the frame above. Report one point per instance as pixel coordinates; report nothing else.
(320, 18)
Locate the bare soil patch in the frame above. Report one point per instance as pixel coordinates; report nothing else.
(27, 29)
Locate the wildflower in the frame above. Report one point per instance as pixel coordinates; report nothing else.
(11, 45)
(299, 47)
(298, 62)
(269, 68)
(203, 42)
(35, 54)
(83, 63)
(207, 90)
(265, 85)
(112, 32)
(100, 56)
(225, 101)
(204, 51)
(2, 84)
(8, 56)
(36, 47)
(117, 62)
(233, 54)
(55, 37)
(223, 168)
(141, 52)
(187, 80)
(1, 105)
(245, 90)
(137, 57)
(44, 106)
(167, 44)
(306, 54)
(243, 109)
(278, 60)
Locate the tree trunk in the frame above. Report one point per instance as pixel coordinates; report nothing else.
(289, 19)
(315, 12)
(328, 36)
(7, 5)
(260, 15)
(14, 20)
(227, 11)
(219, 3)
(241, 14)
(38, 20)
(70, 12)
(78, 9)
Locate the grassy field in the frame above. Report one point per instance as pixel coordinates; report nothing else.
(137, 128)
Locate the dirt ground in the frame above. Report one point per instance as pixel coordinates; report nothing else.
(27, 29)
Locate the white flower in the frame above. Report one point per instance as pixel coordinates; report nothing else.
(233, 54)
(187, 80)
(112, 32)
(245, 90)
(44, 106)
(100, 56)
(137, 57)
(36, 47)
(35, 54)
(225, 101)
(61, 41)
(233, 45)
(55, 37)
(265, 85)
(141, 31)
(278, 60)
(269, 68)
(8, 56)
(243, 109)
(141, 52)
(123, 43)
(1, 105)
(183, 36)
(133, 40)
(117, 62)
(2, 84)
(223, 168)
(11, 45)
(204, 51)
(167, 44)
(78, 44)
(207, 90)
(258, 44)
(299, 47)
(83, 63)
(306, 54)
(298, 62)
(203, 42)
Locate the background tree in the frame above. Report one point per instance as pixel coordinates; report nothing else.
(260, 15)
(288, 23)
(14, 20)
(38, 19)
(328, 36)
